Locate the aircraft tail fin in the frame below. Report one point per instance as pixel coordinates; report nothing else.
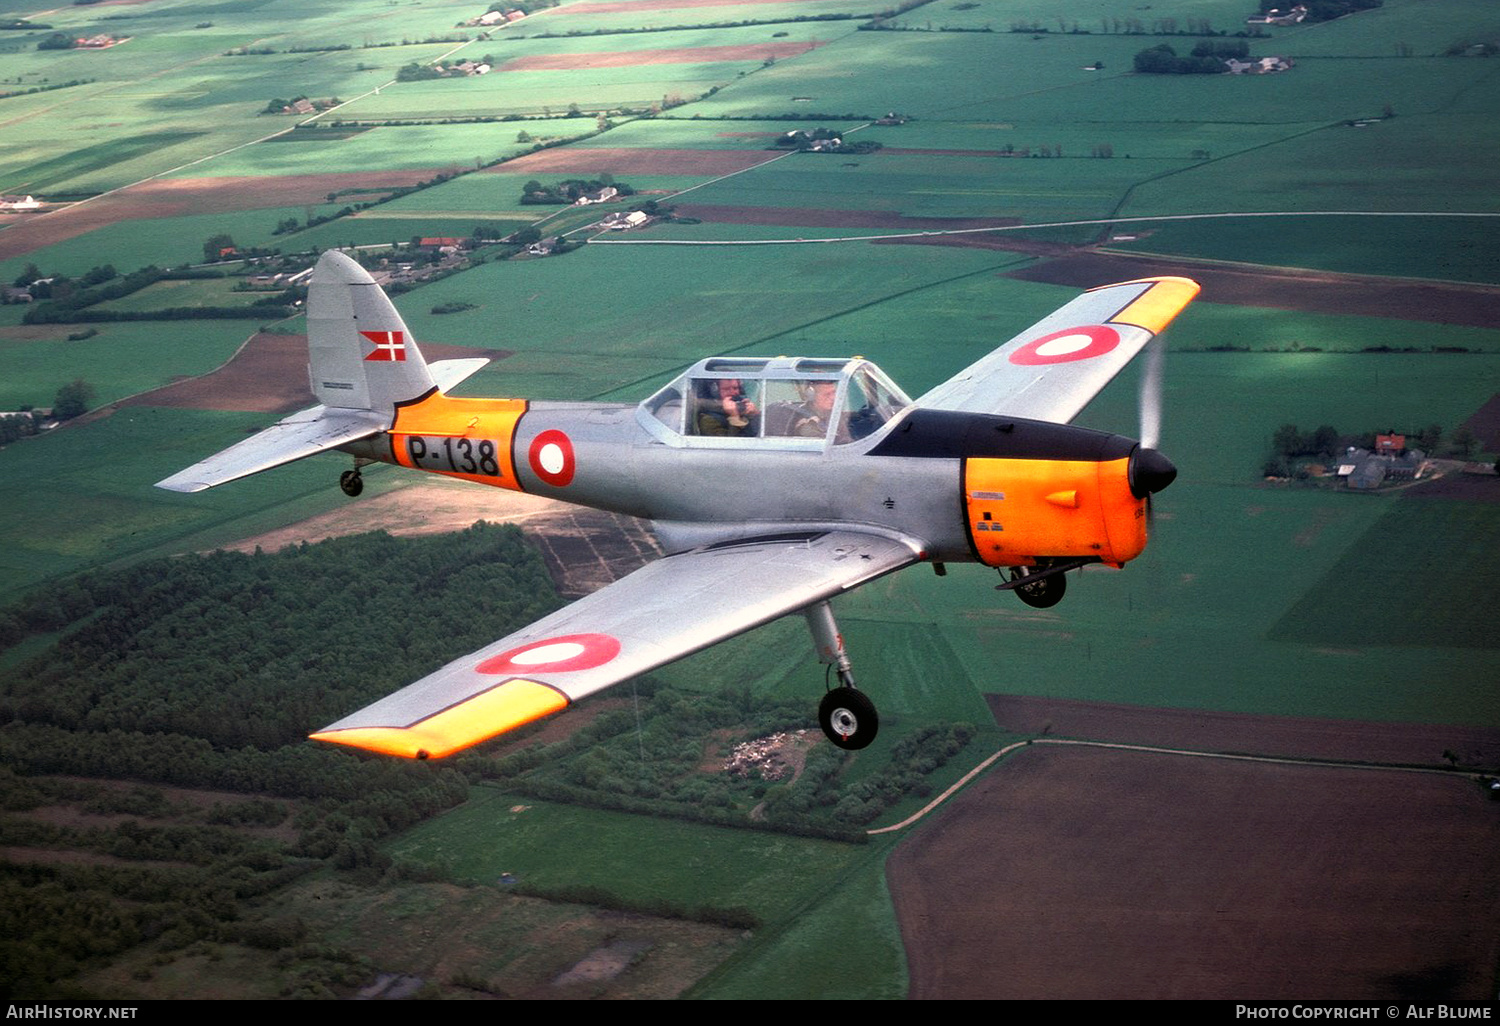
(362, 362)
(361, 356)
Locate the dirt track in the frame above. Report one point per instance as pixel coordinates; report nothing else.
(658, 5)
(813, 217)
(622, 161)
(673, 55)
(1095, 873)
(1411, 744)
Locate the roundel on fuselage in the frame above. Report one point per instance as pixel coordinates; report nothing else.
(551, 457)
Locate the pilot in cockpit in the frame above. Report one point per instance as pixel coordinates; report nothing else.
(725, 410)
(810, 420)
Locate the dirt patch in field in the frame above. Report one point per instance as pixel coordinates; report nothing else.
(621, 161)
(267, 375)
(670, 55)
(584, 549)
(819, 217)
(174, 197)
(1288, 289)
(1485, 423)
(1208, 731)
(1096, 873)
(1461, 487)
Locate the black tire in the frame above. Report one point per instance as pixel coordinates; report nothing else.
(849, 719)
(1043, 594)
(351, 482)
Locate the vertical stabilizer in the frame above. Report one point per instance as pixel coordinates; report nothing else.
(360, 354)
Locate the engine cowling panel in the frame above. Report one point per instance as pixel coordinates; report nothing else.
(1022, 511)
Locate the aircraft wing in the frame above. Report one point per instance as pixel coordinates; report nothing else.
(666, 610)
(302, 434)
(1051, 370)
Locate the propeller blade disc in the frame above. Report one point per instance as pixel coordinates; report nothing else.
(1151, 388)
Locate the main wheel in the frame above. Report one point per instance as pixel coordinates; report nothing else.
(351, 482)
(848, 717)
(1045, 593)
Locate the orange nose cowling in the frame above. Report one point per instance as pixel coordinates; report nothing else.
(1021, 511)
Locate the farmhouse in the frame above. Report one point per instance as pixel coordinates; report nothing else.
(20, 203)
(620, 221)
(604, 195)
(1363, 470)
(1262, 66)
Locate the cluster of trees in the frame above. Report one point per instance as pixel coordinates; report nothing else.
(524, 6)
(277, 105)
(569, 190)
(215, 695)
(239, 649)
(802, 142)
(70, 301)
(650, 762)
(57, 41)
(1207, 58)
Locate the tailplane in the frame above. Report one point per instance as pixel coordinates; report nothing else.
(362, 364)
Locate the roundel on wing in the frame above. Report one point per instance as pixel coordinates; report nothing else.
(1081, 343)
(551, 457)
(554, 655)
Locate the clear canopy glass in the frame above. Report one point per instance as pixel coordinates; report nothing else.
(785, 402)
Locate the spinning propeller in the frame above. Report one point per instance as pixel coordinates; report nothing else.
(1150, 471)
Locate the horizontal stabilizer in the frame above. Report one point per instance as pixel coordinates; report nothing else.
(302, 434)
(447, 373)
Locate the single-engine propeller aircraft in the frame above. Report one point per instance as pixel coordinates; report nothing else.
(772, 484)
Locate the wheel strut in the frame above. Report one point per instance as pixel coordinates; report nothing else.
(846, 714)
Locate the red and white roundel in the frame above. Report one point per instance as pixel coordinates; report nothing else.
(551, 456)
(1081, 343)
(554, 655)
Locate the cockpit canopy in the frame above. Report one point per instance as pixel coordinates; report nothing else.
(785, 402)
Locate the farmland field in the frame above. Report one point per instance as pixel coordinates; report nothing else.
(1369, 301)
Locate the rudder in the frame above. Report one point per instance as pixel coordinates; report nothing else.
(360, 353)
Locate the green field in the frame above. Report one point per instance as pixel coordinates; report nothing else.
(121, 359)
(1285, 600)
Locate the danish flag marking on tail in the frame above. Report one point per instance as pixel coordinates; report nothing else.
(390, 346)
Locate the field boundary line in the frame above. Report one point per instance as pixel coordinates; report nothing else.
(1027, 227)
(952, 789)
(1153, 750)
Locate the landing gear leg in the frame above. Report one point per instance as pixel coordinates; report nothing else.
(846, 714)
(1039, 594)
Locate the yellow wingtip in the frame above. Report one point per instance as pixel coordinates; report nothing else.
(512, 704)
(1155, 308)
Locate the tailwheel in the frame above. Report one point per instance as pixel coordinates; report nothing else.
(1039, 594)
(351, 482)
(848, 717)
